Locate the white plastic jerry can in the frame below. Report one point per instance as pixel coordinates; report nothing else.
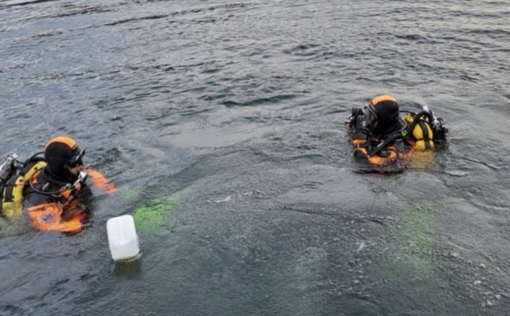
(122, 237)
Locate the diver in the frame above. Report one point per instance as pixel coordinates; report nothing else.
(380, 137)
(51, 186)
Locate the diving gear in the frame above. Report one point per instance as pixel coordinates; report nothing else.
(361, 127)
(12, 193)
(384, 110)
(76, 160)
(82, 177)
(381, 137)
(62, 153)
(353, 118)
(6, 168)
(422, 132)
(52, 195)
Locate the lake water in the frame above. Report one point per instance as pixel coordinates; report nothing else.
(222, 125)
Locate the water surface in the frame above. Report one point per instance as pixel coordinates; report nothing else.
(225, 120)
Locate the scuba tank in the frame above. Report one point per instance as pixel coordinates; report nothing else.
(426, 129)
(14, 176)
(422, 132)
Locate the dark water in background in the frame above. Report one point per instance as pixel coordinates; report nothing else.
(232, 113)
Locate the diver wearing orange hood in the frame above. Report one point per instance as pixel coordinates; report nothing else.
(52, 188)
(381, 137)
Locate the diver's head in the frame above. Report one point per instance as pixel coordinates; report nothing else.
(385, 114)
(63, 156)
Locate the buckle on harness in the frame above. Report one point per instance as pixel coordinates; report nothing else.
(360, 146)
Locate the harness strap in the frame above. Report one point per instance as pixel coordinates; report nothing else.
(425, 132)
(21, 180)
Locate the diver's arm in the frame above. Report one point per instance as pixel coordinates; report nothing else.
(100, 181)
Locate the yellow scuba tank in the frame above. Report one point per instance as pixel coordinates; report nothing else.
(12, 196)
(422, 132)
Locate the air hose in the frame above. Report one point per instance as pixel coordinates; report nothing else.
(391, 137)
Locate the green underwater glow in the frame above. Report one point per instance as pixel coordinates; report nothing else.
(155, 216)
(151, 215)
(133, 194)
(416, 237)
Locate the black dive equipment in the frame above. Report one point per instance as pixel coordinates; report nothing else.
(360, 122)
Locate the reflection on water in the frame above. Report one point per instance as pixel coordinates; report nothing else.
(129, 269)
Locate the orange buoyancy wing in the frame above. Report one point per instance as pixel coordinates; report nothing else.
(48, 217)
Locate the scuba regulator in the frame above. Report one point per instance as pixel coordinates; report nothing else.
(5, 169)
(359, 123)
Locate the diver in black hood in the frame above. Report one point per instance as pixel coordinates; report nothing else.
(51, 189)
(381, 137)
(62, 178)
